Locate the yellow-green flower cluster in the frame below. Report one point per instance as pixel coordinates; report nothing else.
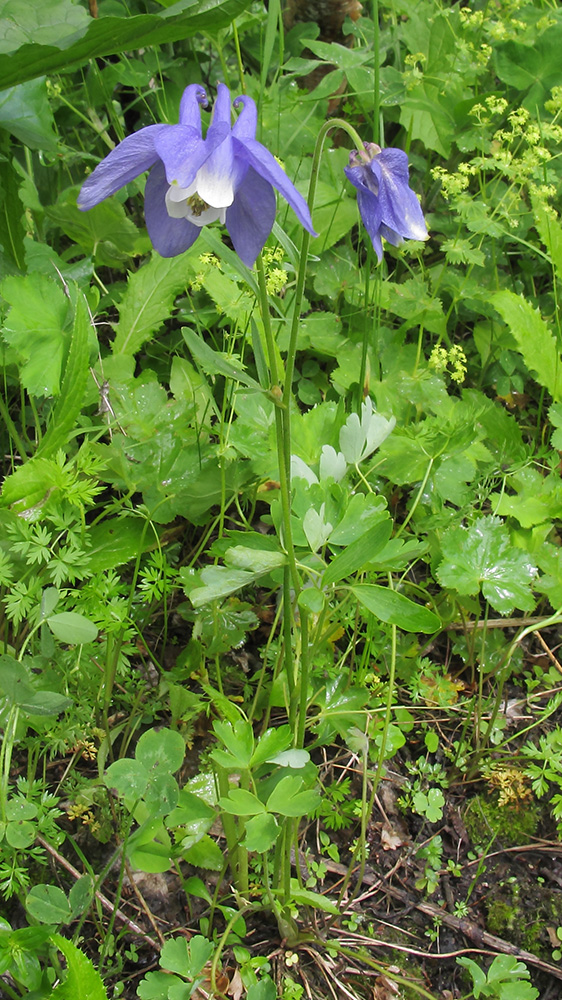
(207, 260)
(452, 362)
(451, 184)
(275, 275)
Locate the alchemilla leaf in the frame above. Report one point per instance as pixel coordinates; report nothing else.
(482, 557)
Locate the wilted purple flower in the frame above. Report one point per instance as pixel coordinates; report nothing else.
(227, 176)
(387, 204)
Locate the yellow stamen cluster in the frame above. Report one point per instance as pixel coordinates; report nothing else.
(197, 205)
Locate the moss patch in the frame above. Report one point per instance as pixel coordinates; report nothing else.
(485, 819)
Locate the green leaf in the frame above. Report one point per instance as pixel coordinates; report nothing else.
(214, 363)
(81, 895)
(104, 231)
(82, 981)
(358, 554)
(535, 340)
(149, 849)
(70, 627)
(264, 990)
(19, 808)
(129, 778)
(148, 300)
(427, 113)
(21, 834)
(287, 799)
(161, 749)
(19, 688)
(26, 113)
(55, 51)
(206, 853)
(187, 958)
(155, 986)
(549, 228)
(261, 833)
(238, 740)
(482, 557)
(429, 805)
(389, 606)
(31, 484)
(69, 403)
(162, 793)
(115, 541)
(36, 328)
(271, 744)
(291, 758)
(50, 24)
(395, 739)
(306, 897)
(534, 67)
(11, 215)
(48, 904)
(363, 513)
(220, 581)
(258, 561)
(240, 802)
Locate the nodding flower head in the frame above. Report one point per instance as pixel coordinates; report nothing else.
(228, 177)
(387, 204)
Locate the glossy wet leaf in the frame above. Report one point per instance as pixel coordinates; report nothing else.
(481, 557)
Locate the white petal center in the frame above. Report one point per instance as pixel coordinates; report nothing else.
(187, 203)
(214, 186)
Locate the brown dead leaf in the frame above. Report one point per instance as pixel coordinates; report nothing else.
(393, 835)
(204, 990)
(553, 937)
(236, 986)
(385, 989)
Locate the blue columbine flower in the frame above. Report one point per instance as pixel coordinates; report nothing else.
(387, 204)
(227, 176)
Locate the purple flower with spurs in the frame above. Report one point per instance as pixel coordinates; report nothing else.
(228, 177)
(387, 204)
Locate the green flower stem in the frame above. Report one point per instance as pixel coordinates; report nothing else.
(351, 952)
(483, 742)
(303, 679)
(301, 275)
(239, 60)
(291, 577)
(363, 387)
(377, 73)
(237, 855)
(6, 757)
(12, 429)
(367, 809)
(417, 499)
(298, 687)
